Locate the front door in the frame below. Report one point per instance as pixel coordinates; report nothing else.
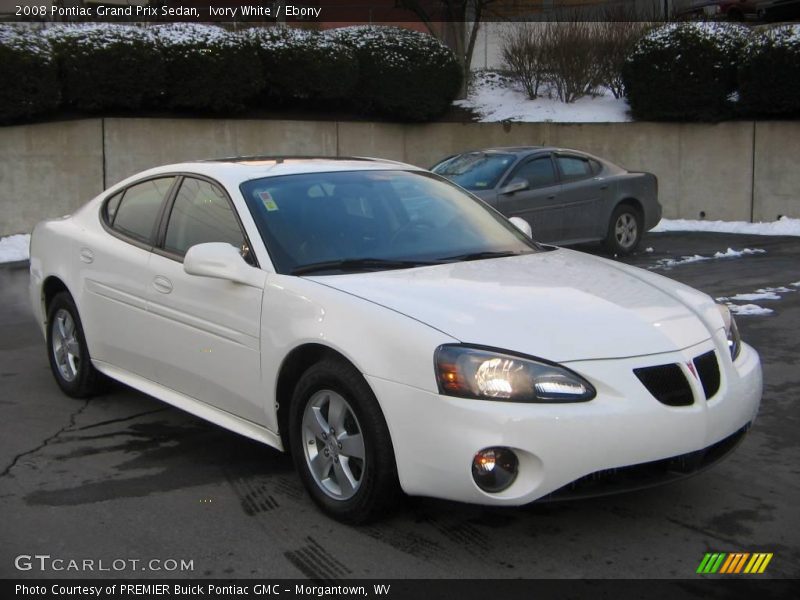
(205, 331)
(540, 204)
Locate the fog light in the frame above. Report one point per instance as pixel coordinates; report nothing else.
(494, 469)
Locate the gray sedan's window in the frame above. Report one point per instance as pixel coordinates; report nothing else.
(201, 214)
(538, 172)
(475, 170)
(138, 210)
(573, 167)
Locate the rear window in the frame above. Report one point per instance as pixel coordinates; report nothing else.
(573, 167)
(110, 210)
(138, 209)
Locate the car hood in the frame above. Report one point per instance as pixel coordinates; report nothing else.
(560, 305)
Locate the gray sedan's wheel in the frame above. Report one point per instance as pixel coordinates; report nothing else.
(624, 230)
(340, 443)
(67, 349)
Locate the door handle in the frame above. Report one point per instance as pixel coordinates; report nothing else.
(162, 284)
(87, 255)
(551, 197)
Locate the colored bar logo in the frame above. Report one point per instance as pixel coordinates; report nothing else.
(734, 563)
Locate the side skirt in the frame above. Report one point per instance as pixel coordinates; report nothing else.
(191, 405)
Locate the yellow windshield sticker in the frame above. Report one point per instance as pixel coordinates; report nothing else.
(268, 201)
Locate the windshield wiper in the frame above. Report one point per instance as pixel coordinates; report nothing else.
(481, 255)
(359, 264)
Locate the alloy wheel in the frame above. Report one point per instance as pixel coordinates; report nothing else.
(66, 349)
(626, 230)
(333, 445)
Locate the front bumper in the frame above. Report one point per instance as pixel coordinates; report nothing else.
(435, 437)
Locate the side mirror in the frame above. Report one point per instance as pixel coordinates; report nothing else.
(522, 225)
(517, 185)
(221, 261)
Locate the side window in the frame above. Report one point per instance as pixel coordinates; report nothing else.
(596, 166)
(538, 172)
(574, 167)
(201, 214)
(110, 208)
(136, 213)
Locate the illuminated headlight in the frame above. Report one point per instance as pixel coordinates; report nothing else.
(485, 374)
(731, 331)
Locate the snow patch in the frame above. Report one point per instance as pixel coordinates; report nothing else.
(15, 247)
(767, 293)
(783, 226)
(754, 296)
(749, 309)
(668, 263)
(499, 98)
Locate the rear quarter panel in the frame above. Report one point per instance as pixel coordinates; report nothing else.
(642, 187)
(52, 244)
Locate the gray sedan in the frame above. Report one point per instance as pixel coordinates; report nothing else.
(567, 197)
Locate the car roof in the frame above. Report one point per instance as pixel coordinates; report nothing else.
(312, 161)
(523, 150)
(237, 169)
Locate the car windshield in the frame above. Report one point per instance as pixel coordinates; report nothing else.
(374, 220)
(475, 170)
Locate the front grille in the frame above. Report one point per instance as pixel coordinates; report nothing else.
(708, 371)
(622, 479)
(667, 384)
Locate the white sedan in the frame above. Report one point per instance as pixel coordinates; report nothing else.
(391, 330)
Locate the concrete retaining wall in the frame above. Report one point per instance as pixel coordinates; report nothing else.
(48, 170)
(729, 171)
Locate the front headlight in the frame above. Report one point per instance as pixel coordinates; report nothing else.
(731, 331)
(486, 374)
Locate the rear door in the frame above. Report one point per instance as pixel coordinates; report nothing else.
(582, 194)
(114, 273)
(206, 331)
(540, 204)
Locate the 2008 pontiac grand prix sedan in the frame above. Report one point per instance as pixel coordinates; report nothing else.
(391, 330)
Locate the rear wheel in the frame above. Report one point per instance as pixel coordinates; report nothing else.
(340, 443)
(67, 350)
(624, 230)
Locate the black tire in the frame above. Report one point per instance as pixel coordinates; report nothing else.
(621, 239)
(377, 484)
(86, 380)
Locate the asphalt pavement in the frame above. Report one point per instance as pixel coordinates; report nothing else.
(123, 477)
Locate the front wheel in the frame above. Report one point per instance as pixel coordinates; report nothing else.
(340, 443)
(624, 230)
(66, 347)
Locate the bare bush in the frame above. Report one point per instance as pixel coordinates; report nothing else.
(524, 51)
(572, 62)
(614, 44)
(571, 56)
